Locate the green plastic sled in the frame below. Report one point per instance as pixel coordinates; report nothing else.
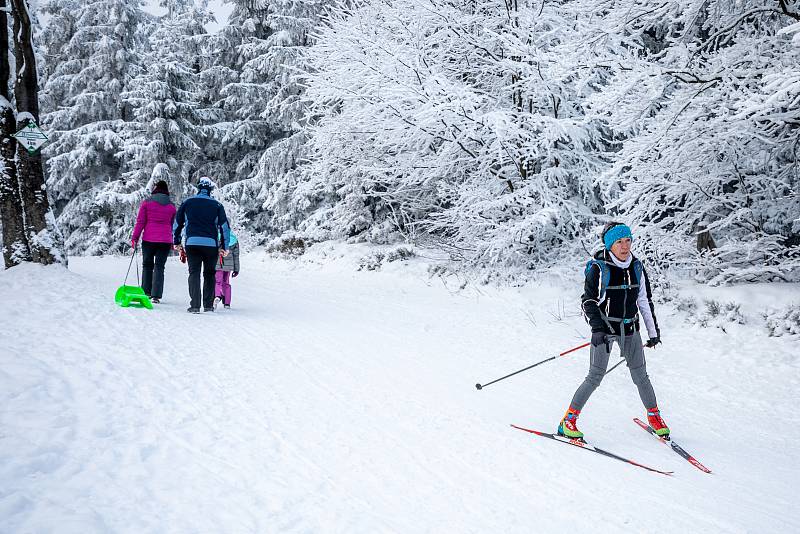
(132, 296)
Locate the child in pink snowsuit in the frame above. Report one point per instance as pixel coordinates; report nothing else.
(227, 266)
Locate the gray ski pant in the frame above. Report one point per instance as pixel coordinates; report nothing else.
(633, 352)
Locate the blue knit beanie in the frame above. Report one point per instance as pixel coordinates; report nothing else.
(616, 233)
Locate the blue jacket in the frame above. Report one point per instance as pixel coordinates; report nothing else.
(204, 219)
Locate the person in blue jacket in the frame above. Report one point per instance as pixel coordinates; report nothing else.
(201, 220)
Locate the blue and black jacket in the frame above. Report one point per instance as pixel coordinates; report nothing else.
(204, 220)
(613, 296)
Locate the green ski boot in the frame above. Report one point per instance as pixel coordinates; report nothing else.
(568, 426)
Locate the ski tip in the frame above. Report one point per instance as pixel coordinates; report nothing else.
(700, 466)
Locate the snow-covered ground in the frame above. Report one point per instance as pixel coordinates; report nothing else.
(333, 400)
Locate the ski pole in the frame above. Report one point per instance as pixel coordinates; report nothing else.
(615, 366)
(479, 386)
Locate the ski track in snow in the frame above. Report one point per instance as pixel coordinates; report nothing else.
(330, 400)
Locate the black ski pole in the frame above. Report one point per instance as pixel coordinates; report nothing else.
(615, 365)
(479, 386)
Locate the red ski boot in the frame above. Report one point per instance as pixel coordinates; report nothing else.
(657, 423)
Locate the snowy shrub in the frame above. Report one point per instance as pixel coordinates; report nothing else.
(784, 322)
(713, 313)
(447, 272)
(399, 254)
(438, 270)
(764, 258)
(289, 246)
(371, 262)
(374, 261)
(687, 305)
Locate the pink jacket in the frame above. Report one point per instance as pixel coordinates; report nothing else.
(156, 215)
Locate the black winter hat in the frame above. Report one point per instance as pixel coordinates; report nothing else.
(161, 187)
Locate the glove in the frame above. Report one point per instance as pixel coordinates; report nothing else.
(133, 243)
(652, 342)
(235, 274)
(600, 338)
(182, 254)
(223, 252)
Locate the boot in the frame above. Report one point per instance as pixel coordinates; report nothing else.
(657, 423)
(568, 426)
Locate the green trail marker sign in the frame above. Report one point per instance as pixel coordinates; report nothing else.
(31, 137)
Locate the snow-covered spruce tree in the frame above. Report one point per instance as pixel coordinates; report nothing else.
(168, 124)
(457, 120)
(241, 135)
(93, 51)
(705, 94)
(267, 114)
(279, 169)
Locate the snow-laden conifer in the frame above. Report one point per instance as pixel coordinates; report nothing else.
(267, 115)
(164, 135)
(92, 51)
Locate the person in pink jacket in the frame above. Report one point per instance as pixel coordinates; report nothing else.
(154, 226)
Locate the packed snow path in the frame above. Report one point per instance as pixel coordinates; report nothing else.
(330, 400)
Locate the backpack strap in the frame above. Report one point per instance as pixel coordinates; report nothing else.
(638, 268)
(637, 273)
(605, 276)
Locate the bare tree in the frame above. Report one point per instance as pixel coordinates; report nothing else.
(15, 243)
(41, 235)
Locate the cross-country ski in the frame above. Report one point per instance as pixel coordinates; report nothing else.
(582, 444)
(674, 446)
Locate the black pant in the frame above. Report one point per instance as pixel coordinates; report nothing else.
(154, 258)
(207, 257)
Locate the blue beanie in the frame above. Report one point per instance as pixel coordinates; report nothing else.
(615, 233)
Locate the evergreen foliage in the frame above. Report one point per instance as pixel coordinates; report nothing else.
(93, 50)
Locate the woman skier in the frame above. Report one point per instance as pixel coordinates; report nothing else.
(616, 293)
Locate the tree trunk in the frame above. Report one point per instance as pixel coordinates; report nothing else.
(15, 244)
(41, 235)
(704, 239)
